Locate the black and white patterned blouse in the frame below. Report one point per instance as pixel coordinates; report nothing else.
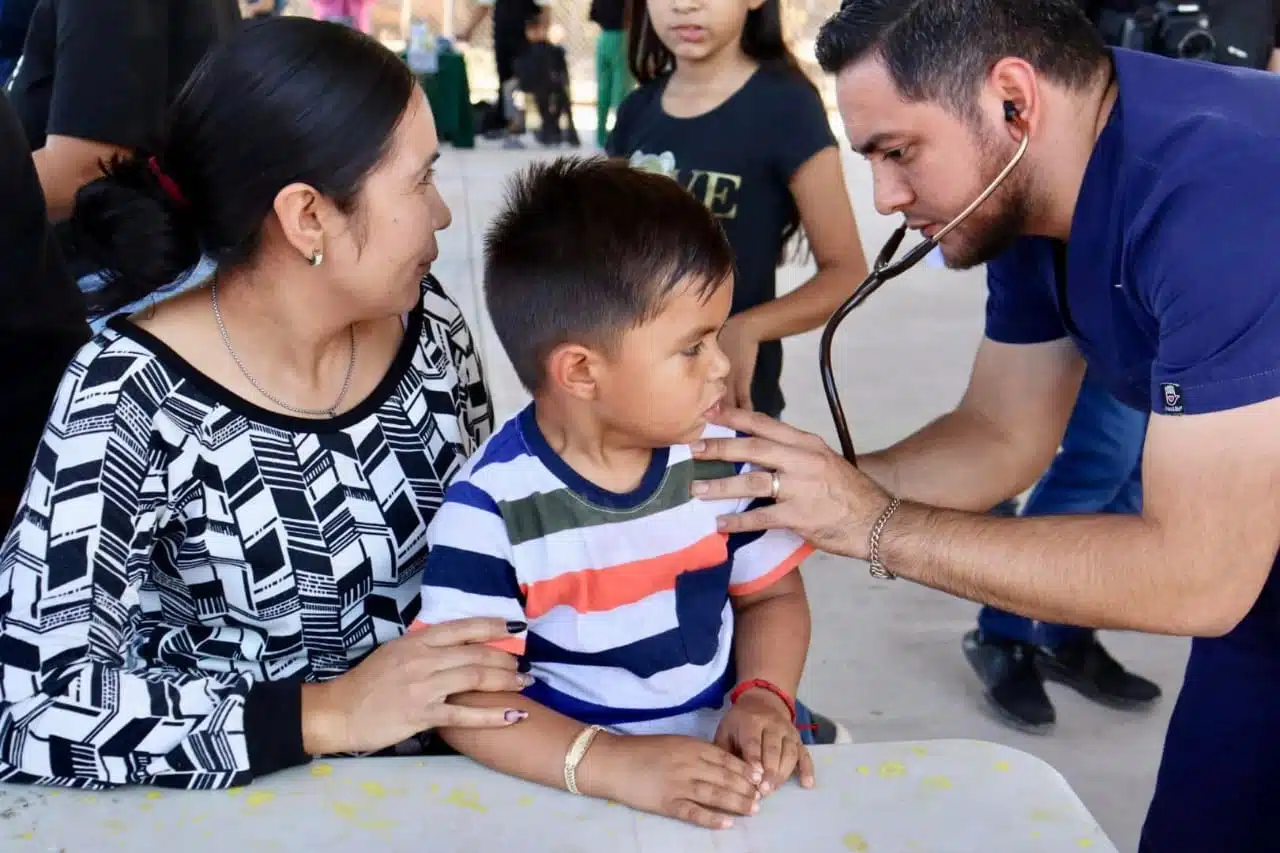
(183, 560)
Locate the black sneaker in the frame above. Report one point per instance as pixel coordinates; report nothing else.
(1084, 665)
(827, 731)
(1011, 682)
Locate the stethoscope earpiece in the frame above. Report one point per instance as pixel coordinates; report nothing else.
(1010, 111)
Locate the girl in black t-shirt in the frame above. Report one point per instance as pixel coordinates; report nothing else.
(724, 108)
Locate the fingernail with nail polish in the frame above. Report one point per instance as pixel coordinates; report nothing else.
(523, 665)
(527, 680)
(699, 488)
(514, 627)
(514, 716)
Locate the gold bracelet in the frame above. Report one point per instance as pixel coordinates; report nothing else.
(878, 568)
(575, 754)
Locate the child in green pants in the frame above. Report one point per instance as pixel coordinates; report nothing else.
(613, 78)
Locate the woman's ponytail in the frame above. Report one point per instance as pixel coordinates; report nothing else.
(135, 226)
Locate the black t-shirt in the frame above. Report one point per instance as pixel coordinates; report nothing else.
(510, 18)
(106, 71)
(609, 14)
(739, 158)
(42, 313)
(1246, 31)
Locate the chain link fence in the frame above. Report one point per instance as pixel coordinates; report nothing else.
(571, 28)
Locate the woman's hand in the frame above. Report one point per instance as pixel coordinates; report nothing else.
(820, 496)
(759, 730)
(402, 687)
(679, 777)
(741, 345)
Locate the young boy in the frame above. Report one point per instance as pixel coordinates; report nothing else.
(666, 654)
(542, 72)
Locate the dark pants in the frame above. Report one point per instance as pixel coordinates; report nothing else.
(1098, 470)
(1216, 789)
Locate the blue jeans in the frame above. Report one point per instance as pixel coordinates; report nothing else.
(1099, 469)
(7, 64)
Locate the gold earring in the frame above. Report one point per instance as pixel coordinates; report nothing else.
(317, 258)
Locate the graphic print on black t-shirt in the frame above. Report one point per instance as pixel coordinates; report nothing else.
(738, 159)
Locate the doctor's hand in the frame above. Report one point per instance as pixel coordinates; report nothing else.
(823, 498)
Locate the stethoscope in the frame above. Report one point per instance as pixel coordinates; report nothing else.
(883, 271)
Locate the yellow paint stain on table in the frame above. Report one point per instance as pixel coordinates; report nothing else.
(936, 783)
(465, 798)
(259, 798)
(322, 770)
(893, 769)
(145, 807)
(855, 842)
(919, 751)
(1084, 842)
(524, 801)
(1045, 814)
(27, 836)
(373, 789)
(154, 795)
(235, 792)
(350, 813)
(1035, 834)
(1002, 767)
(435, 789)
(864, 770)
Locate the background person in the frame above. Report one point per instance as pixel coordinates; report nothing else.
(724, 108)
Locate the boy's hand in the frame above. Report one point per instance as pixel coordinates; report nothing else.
(679, 777)
(758, 728)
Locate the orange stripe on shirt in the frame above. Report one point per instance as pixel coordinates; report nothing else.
(600, 590)
(795, 558)
(510, 645)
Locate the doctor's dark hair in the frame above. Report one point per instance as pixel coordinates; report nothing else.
(585, 249)
(283, 100)
(942, 50)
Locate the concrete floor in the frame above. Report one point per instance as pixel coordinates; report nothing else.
(886, 656)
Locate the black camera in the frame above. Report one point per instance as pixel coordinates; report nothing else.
(1179, 30)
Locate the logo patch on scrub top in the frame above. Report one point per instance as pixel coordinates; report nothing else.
(1172, 393)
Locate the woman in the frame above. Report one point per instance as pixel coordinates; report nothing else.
(220, 543)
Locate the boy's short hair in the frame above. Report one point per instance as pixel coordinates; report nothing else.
(585, 249)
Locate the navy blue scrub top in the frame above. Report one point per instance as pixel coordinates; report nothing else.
(1171, 291)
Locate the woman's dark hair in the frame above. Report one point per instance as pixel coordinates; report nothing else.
(762, 39)
(283, 100)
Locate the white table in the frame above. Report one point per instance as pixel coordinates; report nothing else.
(950, 796)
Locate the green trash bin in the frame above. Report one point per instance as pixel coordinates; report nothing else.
(449, 94)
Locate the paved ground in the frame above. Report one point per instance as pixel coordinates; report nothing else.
(885, 658)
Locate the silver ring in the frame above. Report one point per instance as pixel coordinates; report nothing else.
(775, 486)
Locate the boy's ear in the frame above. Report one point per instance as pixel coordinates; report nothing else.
(573, 368)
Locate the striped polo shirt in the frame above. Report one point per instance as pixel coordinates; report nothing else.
(628, 597)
